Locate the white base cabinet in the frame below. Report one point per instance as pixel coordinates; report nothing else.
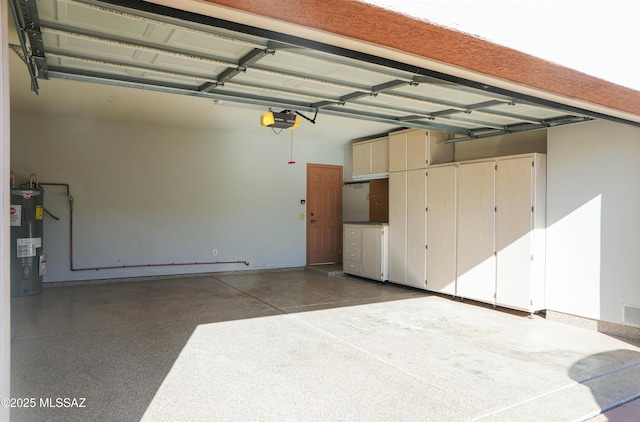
(365, 251)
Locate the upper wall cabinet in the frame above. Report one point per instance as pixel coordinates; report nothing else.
(413, 149)
(371, 159)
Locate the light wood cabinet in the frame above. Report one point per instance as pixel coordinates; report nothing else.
(365, 251)
(407, 230)
(371, 159)
(410, 152)
(397, 226)
(352, 249)
(486, 224)
(475, 255)
(416, 229)
(473, 229)
(375, 247)
(520, 231)
(441, 229)
(412, 149)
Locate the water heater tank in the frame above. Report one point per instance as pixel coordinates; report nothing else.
(28, 262)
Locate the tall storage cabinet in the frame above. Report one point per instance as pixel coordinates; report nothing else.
(397, 226)
(410, 151)
(415, 218)
(486, 224)
(520, 231)
(441, 229)
(476, 265)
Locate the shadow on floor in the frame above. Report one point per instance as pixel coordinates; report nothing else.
(113, 344)
(299, 345)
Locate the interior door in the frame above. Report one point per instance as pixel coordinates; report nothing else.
(324, 214)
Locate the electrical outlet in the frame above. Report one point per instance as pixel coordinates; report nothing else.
(215, 252)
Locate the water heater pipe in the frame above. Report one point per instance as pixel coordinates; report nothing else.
(31, 180)
(73, 268)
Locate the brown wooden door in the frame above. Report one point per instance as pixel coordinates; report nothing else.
(324, 214)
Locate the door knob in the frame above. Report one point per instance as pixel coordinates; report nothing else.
(312, 221)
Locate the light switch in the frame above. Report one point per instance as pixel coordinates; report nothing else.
(301, 216)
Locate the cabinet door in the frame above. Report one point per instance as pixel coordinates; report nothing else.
(362, 158)
(514, 231)
(380, 155)
(372, 253)
(416, 149)
(475, 267)
(397, 226)
(441, 230)
(397, 152)
(416, 229)
(438, 151)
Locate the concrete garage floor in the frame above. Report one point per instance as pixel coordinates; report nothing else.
(303, 346)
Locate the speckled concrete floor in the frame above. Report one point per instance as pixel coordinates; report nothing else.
(302, 346)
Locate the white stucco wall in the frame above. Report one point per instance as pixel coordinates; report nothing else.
(593, 229)
(152, 195)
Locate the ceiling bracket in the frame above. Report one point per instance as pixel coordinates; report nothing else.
(308, 118)
(20, 52)
(26, 16)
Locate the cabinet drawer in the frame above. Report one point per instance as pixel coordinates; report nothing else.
(352, 244)
(352, 255)
(352, 267)
(352, 234)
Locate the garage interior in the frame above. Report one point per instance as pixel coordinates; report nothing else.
(159, 139)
